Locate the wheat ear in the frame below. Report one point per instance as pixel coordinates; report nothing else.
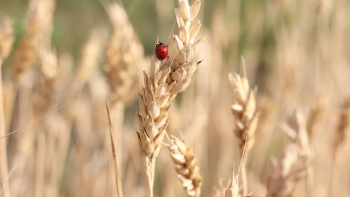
(166, 79)
(39, 17)
(233, 188)
(245, 118)
(186, 166)
(124, 53)
(6, 41)
(294, 163)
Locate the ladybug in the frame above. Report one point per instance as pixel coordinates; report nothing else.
(161, 51)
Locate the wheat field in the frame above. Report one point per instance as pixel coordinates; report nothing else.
(252, 100)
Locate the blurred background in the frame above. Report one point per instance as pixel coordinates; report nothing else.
(55, 84)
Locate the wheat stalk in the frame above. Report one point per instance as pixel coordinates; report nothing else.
(114, 154)
(186, 166)
(6, 41)
(166, 79)
(42, 102)
(245, 118)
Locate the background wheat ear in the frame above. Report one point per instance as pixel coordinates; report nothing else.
(294, 163)
(186, 166)
(124, 57)
(6, 38)
(233, 189)
(38, 22)
(246, 118)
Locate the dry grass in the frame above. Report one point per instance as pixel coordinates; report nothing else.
(57, 140)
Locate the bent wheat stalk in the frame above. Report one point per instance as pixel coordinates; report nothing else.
(166, 79)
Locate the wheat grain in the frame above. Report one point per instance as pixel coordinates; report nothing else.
(186, 166)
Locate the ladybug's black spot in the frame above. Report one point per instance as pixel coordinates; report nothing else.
(163, 52)
(158, 50)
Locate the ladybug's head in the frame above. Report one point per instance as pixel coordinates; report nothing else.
(160, 44)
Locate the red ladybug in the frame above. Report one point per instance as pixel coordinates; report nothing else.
(161, 51)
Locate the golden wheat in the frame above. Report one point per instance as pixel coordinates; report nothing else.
(166, 79)
(186, 166)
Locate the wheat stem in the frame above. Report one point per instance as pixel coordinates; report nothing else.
(40, 163)
(114, 154)
(3, 142)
